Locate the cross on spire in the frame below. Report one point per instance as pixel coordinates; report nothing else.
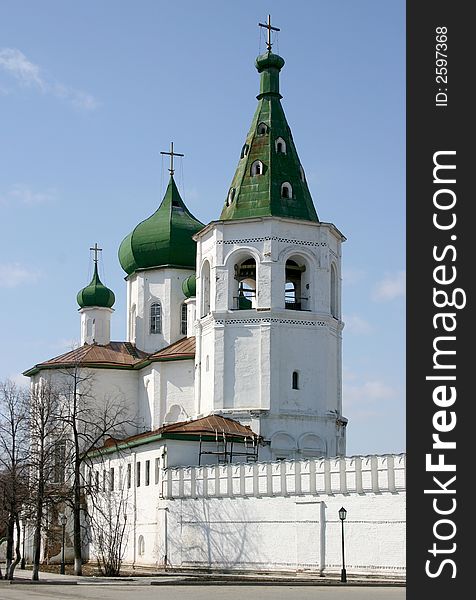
(172, 154)
(96, 249)
(269, 28)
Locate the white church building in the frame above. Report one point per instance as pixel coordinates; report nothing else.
(232, 373)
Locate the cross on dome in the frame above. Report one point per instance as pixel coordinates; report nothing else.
(96, 249)
(172, 154)
(269, 28)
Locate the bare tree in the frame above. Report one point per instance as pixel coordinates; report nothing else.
(47, 432)
(89, 420)
(108, 522)
(13, 466)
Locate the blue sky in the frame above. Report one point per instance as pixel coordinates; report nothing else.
(91, 92)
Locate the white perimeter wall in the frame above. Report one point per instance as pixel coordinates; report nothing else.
(279, 516)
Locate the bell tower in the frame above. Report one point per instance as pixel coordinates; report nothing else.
(269, 327)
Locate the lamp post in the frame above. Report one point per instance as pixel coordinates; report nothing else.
(62, 521)
(342, 516)
(22, 564)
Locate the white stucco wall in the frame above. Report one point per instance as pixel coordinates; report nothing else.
(144, 287)
(117, 386)
(280, 516)
(245, 359)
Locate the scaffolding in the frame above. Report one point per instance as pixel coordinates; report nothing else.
(224, 447)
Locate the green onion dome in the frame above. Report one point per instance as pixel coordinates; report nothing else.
(96, 293)
(268, 60)
(189, 286)
(164, 239)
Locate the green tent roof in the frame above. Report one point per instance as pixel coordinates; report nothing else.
(165, 238)
(262, 195)
(96, 293)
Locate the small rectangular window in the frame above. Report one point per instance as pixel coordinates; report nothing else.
(111, 479)
(129, 475)
(295, 383)
(157, 467)
(121, 475)
(138, 474)
(97, 480)
(104, 480)
(183, 319)
(147, 472)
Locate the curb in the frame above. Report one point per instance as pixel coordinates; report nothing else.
(278, 582)
(39, 582)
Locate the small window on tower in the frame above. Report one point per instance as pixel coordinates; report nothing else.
(183, 319)
(257, 168)
(280, 146)
(262, 129)
(231, 196)
(286, 190)
(303, 176)
(155, 318)
(244, 151)
(295, 380)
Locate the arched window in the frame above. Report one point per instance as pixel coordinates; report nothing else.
(295, 381)
(280, 145)
(297, 284)
(244, 151)
(205, 285)
(311, 445)
(333, 292)
(155, 318)
(262, 129)
(257, 168)
(286, 190)
(231, 196)
(183, 319)
(301, 171)
(141, 545)
(245, 291)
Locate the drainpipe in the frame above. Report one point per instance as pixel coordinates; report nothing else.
(322, 549)
(198, 370)
(134, 524)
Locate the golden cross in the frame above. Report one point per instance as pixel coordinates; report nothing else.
(269, 28)
(172, 154)
(96, 249)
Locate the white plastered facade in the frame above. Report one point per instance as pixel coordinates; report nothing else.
(269, 366)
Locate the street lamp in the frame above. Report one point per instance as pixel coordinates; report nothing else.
(23, 525)
(62, 521)
(342, 516)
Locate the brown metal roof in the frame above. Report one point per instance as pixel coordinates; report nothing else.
(116, 354)
(184, 348)
(120, 354)
(211, 425)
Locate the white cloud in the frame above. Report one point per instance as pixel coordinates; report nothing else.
(16, 64)
(365, 399)
(392, 286)
(12, 275)
(21, 193)
(351, 275)
(357, 325)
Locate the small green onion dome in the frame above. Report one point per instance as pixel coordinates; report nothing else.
(189, 286)
(96, 293)
(268, 60)
(164, 239)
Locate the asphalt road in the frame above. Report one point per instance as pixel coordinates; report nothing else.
(200, 592)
